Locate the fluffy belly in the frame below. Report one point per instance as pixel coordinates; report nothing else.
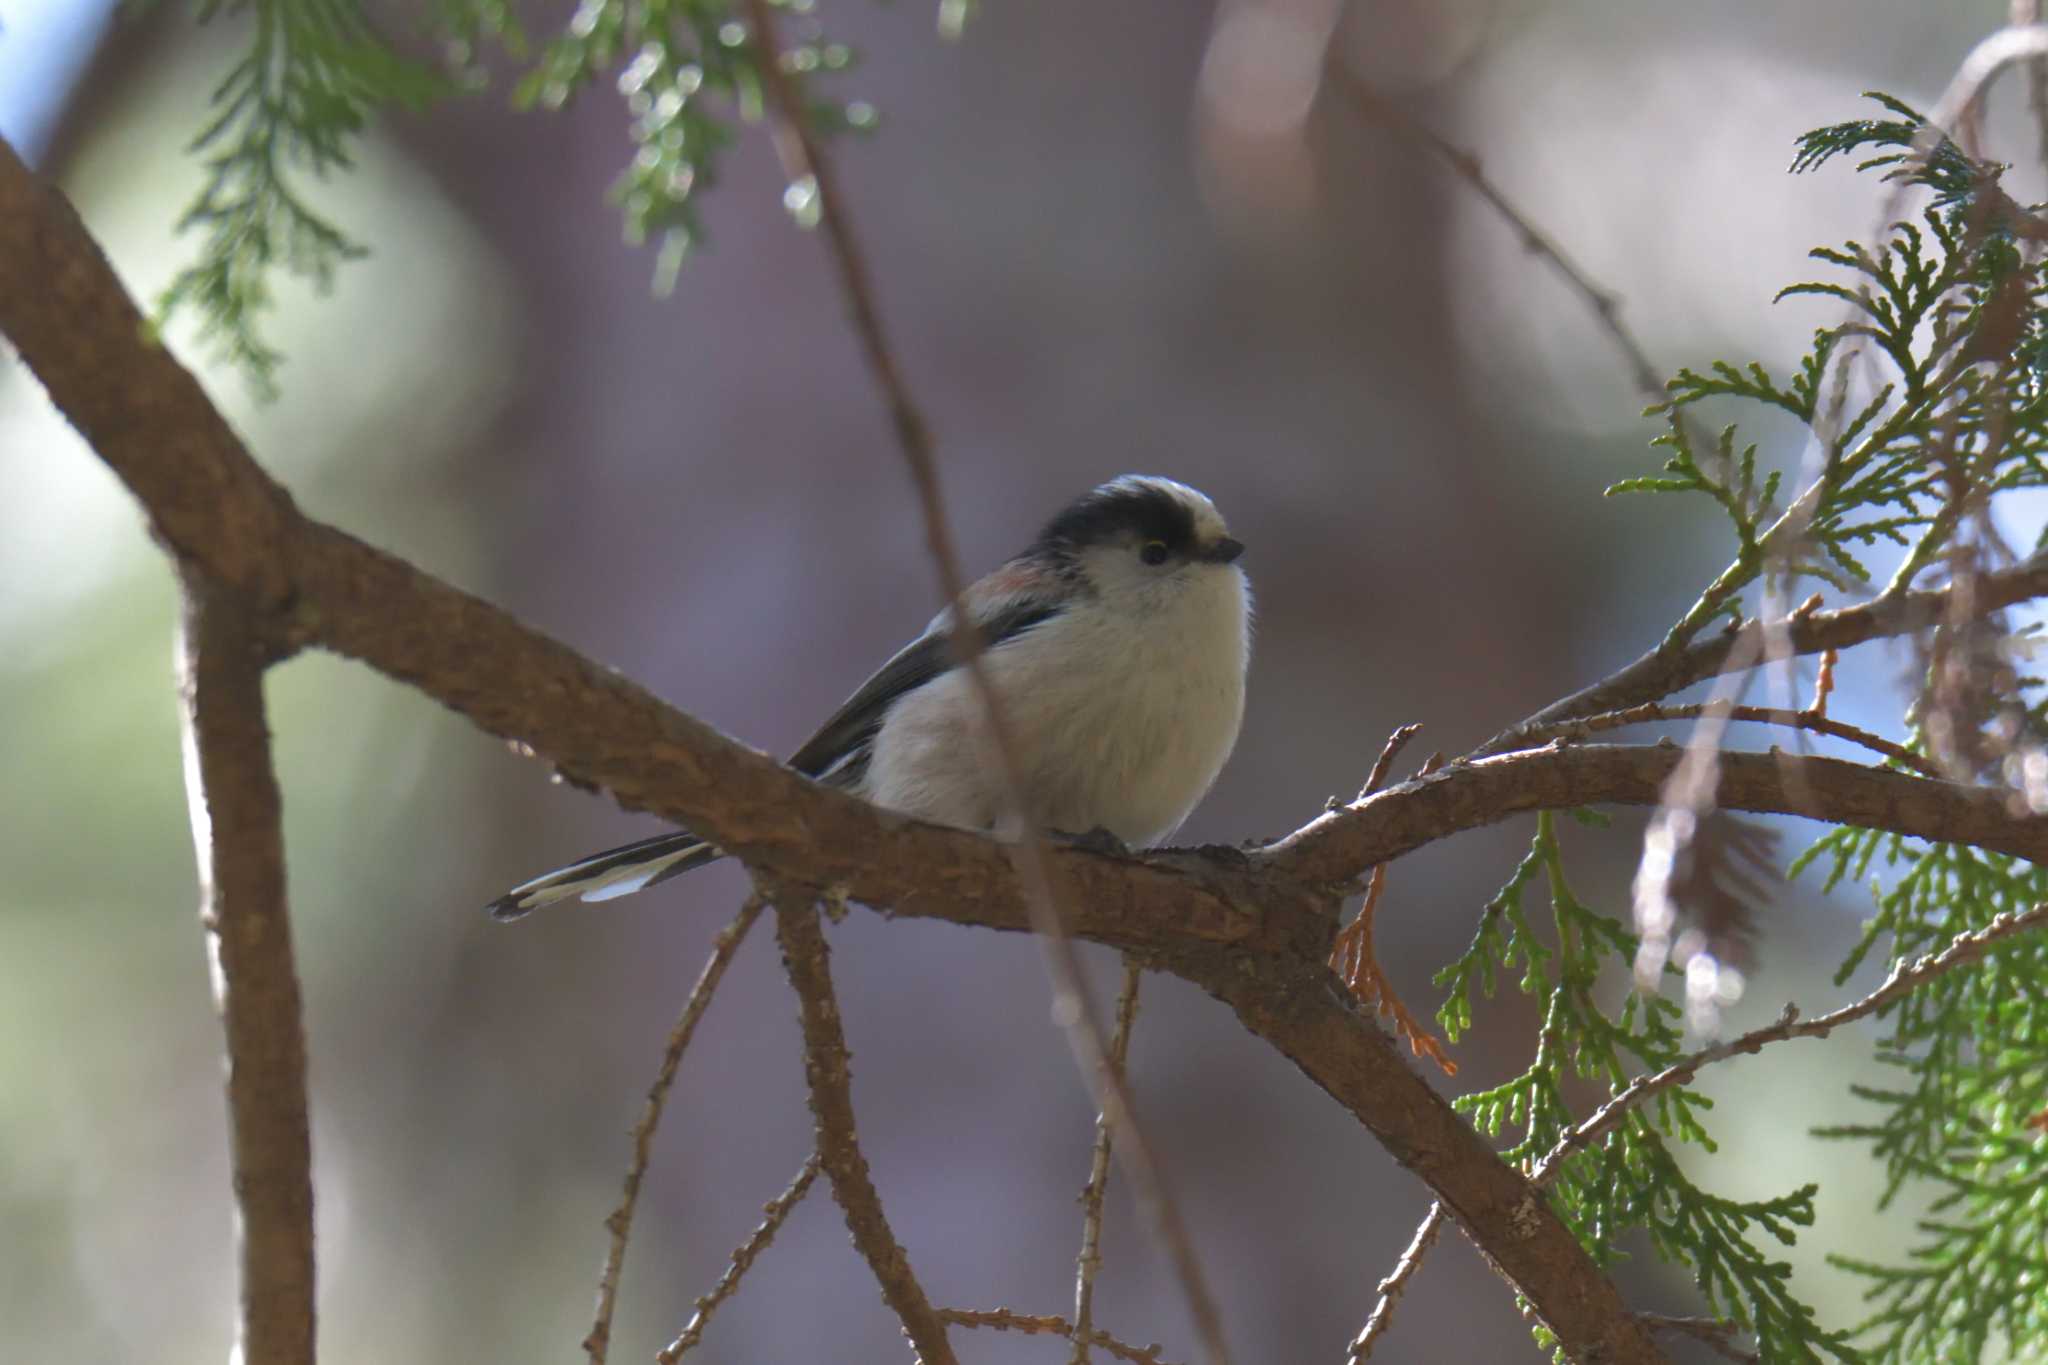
(1129, 746)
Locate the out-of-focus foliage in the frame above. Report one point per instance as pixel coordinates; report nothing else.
(316, 71)
(293, 104)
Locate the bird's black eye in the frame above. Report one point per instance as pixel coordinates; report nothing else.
(1153, 552)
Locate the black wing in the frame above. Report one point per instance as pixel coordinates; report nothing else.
(838, 753)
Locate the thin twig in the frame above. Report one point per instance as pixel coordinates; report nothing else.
(1602, 302)
(238, 839)
(1905, 977)
(773, 1213)
(1396, 1283)
(829, 1073)
(1813, 721)
(620, 1223)
(803, 158)
(1713, 1333)
(1033, 1324)
(1396, 742)
(1090, 1259)
(1659, 672)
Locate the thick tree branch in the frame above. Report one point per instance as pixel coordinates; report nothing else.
(1334, 847)
(829, 1072)
(238, 833)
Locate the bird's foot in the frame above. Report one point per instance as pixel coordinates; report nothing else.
(1097, 840)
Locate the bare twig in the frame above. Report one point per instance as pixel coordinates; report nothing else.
(237, 833)
(1813, 721)
(1033, 1324)
(1904, 978)
(1396, 1283)
(1716, 1335)
(1604, 304)
(1090, 1259)
(802, 159)
(620, 1223)
(829, 1073)
(774, 1212)
(1396, 742)
(1660, 672)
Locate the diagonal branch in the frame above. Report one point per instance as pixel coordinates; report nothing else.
(239, 841)
(1466, 795)
(1813, 721)
(1602, 302)
(1904, 978)
(620, 1224)
(1090, 1259)
(1661, 672)
(828, 1070)
(1396, 1283)
(773, 1213)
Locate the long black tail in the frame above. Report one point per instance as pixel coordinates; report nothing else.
(615, 872)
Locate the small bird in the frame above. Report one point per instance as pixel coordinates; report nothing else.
(1118, 643)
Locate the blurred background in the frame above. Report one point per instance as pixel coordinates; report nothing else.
(1107, 238)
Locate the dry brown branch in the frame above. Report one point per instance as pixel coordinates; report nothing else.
(828, 1071)
(1904, 978)
(1812, 721)
(1032, 1324)
(1662, 671)
(1090, 1259)
(238, 839)
(803, 159)
(1358, 967)
(620, 1223)
(1384, 764)
(773, 1213)
(1824, 681)
(1352, 956)
(1396, 1282)
(1329, 850)
(1717, 1336)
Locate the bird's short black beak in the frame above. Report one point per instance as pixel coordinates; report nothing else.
(1224, 551)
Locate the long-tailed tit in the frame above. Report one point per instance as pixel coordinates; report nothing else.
(1117, 642)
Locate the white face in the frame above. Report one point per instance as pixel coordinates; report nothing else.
(1133, 561)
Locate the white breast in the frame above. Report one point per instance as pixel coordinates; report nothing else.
(1118, 728)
